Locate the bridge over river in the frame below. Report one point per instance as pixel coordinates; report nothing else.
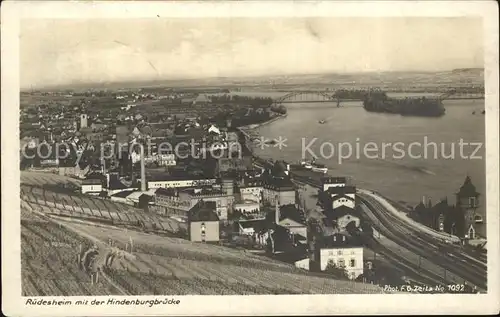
(336, 98)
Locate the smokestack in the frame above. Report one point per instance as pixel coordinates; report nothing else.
(277, 210)
(143, 170)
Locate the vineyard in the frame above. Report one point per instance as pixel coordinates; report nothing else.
(165, 265)
(58, 200)
(49, 262)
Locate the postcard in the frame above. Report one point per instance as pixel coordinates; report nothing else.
(249, 158)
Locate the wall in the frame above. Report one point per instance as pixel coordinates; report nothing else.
(326, 186)
(285, 197)
(180, 183)
(223, 204)
(344, 220)
(91, 188)
(247, 207)
(211, 231)
(251, 193)
(302, 264)
(173, 205)
(346, 254)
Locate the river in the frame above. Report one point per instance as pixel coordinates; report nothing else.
(404, 178)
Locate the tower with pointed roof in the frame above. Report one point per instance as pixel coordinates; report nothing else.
(468, 201)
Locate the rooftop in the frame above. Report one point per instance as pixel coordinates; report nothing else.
(468, 189)
(203, 211)
(333, 180)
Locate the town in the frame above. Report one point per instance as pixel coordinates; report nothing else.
(182, 162)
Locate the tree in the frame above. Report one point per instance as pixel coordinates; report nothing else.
(338, 272)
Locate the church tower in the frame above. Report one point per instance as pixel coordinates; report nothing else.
(467, 200)
(83, 120)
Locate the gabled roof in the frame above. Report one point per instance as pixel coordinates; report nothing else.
(342, 190)
(293, 213)
(115, 183)
(123, 194)
(91, 181)
(203, 211)
(342, 211)
(257, 225)
(343, 196)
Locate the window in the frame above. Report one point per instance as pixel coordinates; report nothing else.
(330, 252)
(472, 201)
(352, 263)
(341, 263)
(339, 252)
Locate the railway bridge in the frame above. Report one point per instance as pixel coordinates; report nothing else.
(336, 97)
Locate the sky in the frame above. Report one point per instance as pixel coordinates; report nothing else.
(62, 52)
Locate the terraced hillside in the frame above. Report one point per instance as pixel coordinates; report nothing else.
(56, 195)
(146, 264)
(49, 261)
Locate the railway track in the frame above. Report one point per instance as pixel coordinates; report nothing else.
(427, 247)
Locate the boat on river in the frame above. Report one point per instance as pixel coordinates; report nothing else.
(313, 166)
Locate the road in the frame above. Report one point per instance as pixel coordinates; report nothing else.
(429, 248)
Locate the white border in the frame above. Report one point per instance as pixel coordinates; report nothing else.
(12, 303)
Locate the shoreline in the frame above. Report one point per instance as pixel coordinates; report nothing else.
(313, 179)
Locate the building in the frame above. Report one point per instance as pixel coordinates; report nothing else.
(338, 251)
(83, 120)
(251, 190)
(349, 258)
(459, 219)
(328, 182)
(340, 217)
(170, 203)
(336, 196)
(279, 192)
(277, 186)
(468, 200)
(178, 201)
(293, 220)
(181, 181)
(91, 186)
(203, 223)
(247, 208)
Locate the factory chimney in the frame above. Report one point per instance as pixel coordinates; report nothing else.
(277, 211)
(143, 170)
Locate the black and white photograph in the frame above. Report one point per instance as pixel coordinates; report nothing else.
(166, 156)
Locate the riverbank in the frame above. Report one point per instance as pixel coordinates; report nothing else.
(258, 125)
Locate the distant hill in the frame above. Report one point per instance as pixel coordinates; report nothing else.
(455, 76)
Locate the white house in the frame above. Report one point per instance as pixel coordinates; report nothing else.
(91, 186)
(350, 258)
(328, 182)
(342, 196)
